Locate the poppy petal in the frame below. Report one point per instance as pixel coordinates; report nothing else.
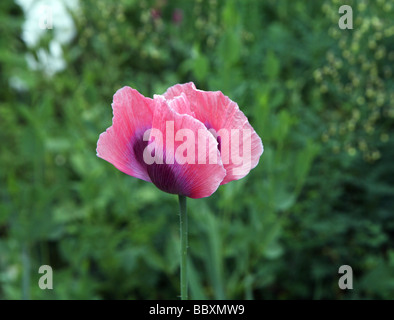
(132, 116)
(195, 174)
(180, 104)
(239, 144)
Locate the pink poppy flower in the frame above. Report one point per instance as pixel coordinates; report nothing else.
(186, 141)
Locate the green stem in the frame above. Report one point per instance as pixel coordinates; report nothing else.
(183, 234)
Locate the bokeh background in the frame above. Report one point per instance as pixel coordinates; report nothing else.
(322, 196)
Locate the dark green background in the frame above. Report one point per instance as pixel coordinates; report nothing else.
(320, 97)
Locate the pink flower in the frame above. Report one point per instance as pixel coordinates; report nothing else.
(186, 141)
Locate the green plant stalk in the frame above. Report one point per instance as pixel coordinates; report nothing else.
(183, 234)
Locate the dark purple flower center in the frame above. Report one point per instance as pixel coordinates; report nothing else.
(164, 176)
(216, 136)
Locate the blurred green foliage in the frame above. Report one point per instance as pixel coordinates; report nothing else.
(321, 98)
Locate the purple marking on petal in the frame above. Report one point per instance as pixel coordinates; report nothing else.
(139, 146)
(218, 138)
(164, 176)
